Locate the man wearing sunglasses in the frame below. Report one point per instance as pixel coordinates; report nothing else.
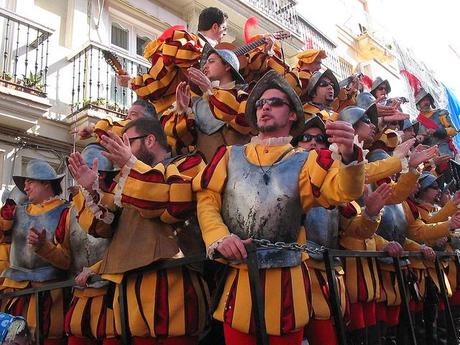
(314, 136)
(260, 190)
(321, 91)
(217, 117)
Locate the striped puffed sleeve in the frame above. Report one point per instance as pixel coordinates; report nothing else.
(179, 128)
(229, 105)
(180, 50)
(108, 124)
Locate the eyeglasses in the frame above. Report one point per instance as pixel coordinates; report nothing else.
(325, 83)
(134, 138)
(433, 186)
(382, 88)
(273, 102)
(319, 138)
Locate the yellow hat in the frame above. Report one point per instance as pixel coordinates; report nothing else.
(310, 55)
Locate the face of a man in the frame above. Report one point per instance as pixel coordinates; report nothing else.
(431, 194)
(313, 139)
(275, 117)
(37, 191)
(365, 130)
(425, 104)
(218, 32)
(136, 111)
(215, 68)
(381, 91)
(324, 93)
(138, 147)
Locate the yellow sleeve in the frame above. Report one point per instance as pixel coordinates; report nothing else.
(105, 125)
(379, 170)
(209, 184)
(421, 232)
(355, 223)
(324, 182)
(411, 245)
(380, 242)
(344, 99)
(442, 215)
(403, 188)
(57, 252)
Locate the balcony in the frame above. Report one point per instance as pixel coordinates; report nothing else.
(95, 92)
(23, 70)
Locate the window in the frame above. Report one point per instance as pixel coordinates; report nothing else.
(141, 42)
(120, 36)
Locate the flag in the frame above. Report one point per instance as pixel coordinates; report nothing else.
(413, 81)
(453, 106)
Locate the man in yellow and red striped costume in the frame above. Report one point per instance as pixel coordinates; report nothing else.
(309, 61)
(40, 247)
(217, 117)
(166, 306)
(171, 55)
(260, 190)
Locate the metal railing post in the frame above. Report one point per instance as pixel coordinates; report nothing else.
(335, 301)
(404, 301)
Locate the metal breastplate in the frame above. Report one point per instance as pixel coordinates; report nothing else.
(251, 208)
(24, 263)
(204, 119)
(393, 225)
(322, 226)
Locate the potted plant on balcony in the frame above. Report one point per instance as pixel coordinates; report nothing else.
(6, 76)
(34, 82)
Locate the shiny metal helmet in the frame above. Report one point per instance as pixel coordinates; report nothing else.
(407, 123)
(377, 155)
(366, 101)
(421, 95)
(14, 194)
(227, 56)
(379, 81)
(352, 114)
(316, 77)
(38, 169)
(93, 151)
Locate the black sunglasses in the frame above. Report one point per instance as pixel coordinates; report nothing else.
(319, 138)
(382, 88)
(273, 102)
(134, 138)
(324, 83)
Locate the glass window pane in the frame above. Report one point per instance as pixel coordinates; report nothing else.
(140, 44)
(119, 36)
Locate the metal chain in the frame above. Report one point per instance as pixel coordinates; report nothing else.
(289, 246)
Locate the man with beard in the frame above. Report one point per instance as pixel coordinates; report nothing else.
(260, 191)
(153, 191)
(322, 88)
(217, 117)
(435, 125)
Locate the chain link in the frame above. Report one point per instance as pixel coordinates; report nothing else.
(289, 246)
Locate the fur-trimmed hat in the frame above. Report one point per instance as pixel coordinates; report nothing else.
(273, 80)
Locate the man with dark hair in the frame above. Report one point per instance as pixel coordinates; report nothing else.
(212, 25)
(260, 191)
(40, 247)
(217, 117)
(153, 191)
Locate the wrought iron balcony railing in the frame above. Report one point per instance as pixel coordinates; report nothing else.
(94, 84)
(23, 53)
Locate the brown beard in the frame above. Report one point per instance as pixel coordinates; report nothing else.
(145, 155)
